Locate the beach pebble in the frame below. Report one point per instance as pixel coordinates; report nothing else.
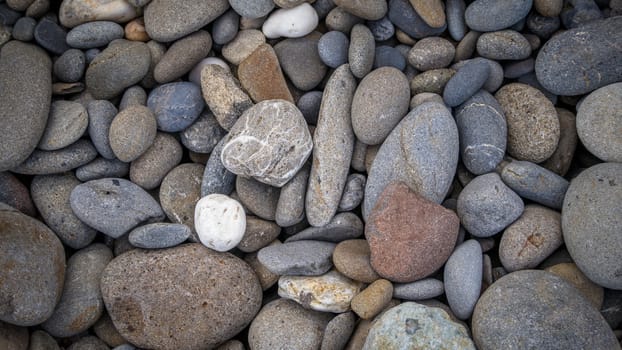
(40, 340)
(462, 278)
(330, 292)
(51, 36)
(387, 56)
(352, 259)
(195, 74)
(571, 274)
(14, 337)
(223, 95)
(578, 12)
(341, 20)
(148, 170)
(76, 12)
(431, 81)
(290, 208)
(261, 76)
(431, 53)
(353, 192)
(333, 48)
(182, 56)
(490, 15)
(69, 67)
(373, 299)
(426, 288)
(88, 342)
(362, 51)
(404, 17)
(258, 234)
(257, 197)
(381, 29)
(431, 11)
(456, 23)
(132, 132)
(252, 9)
(302, 258)
(244, 43)
(225, 27)
(367, 9)
(503, 45)
(561, 159)
(15, 194)
(101, 113)
(52, 162)
(24, 29)
(159, 235)
(301, 52)
(549, 8)
(67, 122)
(266, 278)
(294, 22)
(341, 227)
(203, 135)
(338, 331)
(534, 182)
(542, 26)
(135, 30)
(175, 105)
(220, 222)
(94, 34)
(216, 178)
(468, 79)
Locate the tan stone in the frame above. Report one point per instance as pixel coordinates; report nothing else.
(352, 258)
(261, 76)
(373, 299)
(430, 11)
(135, 30)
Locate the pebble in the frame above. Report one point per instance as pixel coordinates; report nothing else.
(352, 259)
(527, 307)
(482, 129)
(591, 213)
(302, 258)
(225, 27)
(362, 51)
(462, 278)
(133, 96)
(338, 331)
(40, 340)
(490, 15)
(294, 53)
(333, 144)
(135, 30)
(571, 274)
(373, 299)
(88, 342)
(582, 59)
(486, 206)
(122, 64)
(195, 74)
(290, 208)
(203, 135)
(431, 53)
(29, 248)
(101, 113)
(431, 11)
(81, 303)
(333, 48)
(542, 26)
(66, 123)
(69, 67)
(252, 9)
(341, 227)
(503, 45)
(261, 76)
(51, 36)
(381, 100)
(244, 43)
(353, 192)
(15, 194)
(76, 12)
(258, 234)
(422, 289)
(175, 105)
(579, 12)
(50, 194)
(231, 345)
(159, 235)
(96, 201)
(597, 123)
(404, 17)
(266, 278)
(399, 253)
(341, 20)
(13, 337)
(94, 34)
(216, 228)
(549, 8)
(411, 325)
(381, 29)
(179, 193)
(534, 182)
(223, 95)
(148, 170)
(267, 330)
(182, 56)
(560, 161)
(26, 82)
(257, 197)
(433, 81)
(216, 178)
(456, 23)
(467, 81)
(533, 126)
(277, 130)
(52, 162)
(132, 132)
(422, 151)
(152, 317)
(330, 292)
(24, 29)
(156, 50)
(294, 22)
(387, 56)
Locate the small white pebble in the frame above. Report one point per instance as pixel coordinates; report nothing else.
(219, 221)
(295, 22)
(195, 73)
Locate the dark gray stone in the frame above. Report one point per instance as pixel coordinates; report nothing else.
(216, 178)
(404, 16)
(515, 69)
(300, 258)
(338, 331)
(51, 36)
(309, 105)
(612, 307)
(203, 135)
(8, 16)
(182, 56)
(24, 29)
(301, 62)
(94, 34)
(491, 15)
(101, 113)
(462, 278)
(503, 45)
(252, 8)
(88, 343)
(176, 105)
(466, 82)
(534, 182)
(578, 12)
(69, 67)
(53, 162)
(261, 199)
(159, 235)
(387, 56)
(101, 168)
(333, 48)
(15, 194)
(341, 227)
(225, 27)
(40, 340)
(456, 24)
(542, 26)
(323, 7)
(381, 29)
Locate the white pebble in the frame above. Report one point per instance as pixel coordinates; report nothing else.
(219, 221)
(291, 23)
(195, 73)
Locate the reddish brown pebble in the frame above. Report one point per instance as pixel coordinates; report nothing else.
(261, 76)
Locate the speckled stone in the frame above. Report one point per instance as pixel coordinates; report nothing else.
(290, 208)
(534, 182)
(592, 212)
(203, 135)
(225, 27)
(431, 53)
(532, 307)
(490, 15)
(431, 81)
(149, 316)
(353, 192)
(571, 274)
(373, 299)
(105, 330)
(245, 42)
(362, 50)
(148, 170)
(542, 26)
(259, 198)
(341, 227)
(101, 113)
(338, 331)
(182, 56)
(366, 9)
(404, 16)
(29, 248)
(503, 45)
(75, 12)
(216, 178)
(223, 95)
(561, 159)
(69, 67)
(352, 258)
(176, 105)
(15, 194)
(132, 132)
(301, 52)
(266, 278)
(261, 76)
(456, 24)
(341, 20)
(303, 258)
(426, 288)
(101, 168)
(258, 234)
(53, 162)
(180, 191)
(67, 122)
(381, 29)
(469, 78)
(94, 34)
(159, 235)
(462, 278)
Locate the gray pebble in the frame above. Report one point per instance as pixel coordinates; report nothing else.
(51, 36)
(531, 80)
(387, 56)
(24, 29)
(561, 159)
(216, 178)
(261, 199)
(309, 105)
(15, 194)
(203, 135)
(176, 105)
(424, 97)
(96, 201)
(542, 26)
(404, 16)
(101, 168)
(466, 46)
(67, 122)
(431, 81)
(8, 16)
(381, 29)
(513, 70)
(353, 192)
(101, 113)
(290, 208)
(369, 10)
(300, 60)
(333, 48)
(578, 12)
(491, 15)
(456, 24)
(159, 235)
(69, 67)
(343, 226)
(253, 8)
(323, 7)
(300, 258)
(88, 343)
(157, 51)
(534, 182)
(132, 132)
(463, 278)
(94, 34)
(90, 55)
(466, 82)
(431, 53)
(341, 20)
(124, 347)
(179, 193)
(503, 45)
(52, 162)
(361, 52)
(133, 96)
(225, 27)
(258, 234)
(495, 74)
(338, 331)
(182, 56)
(426, 288)
(40, 340)
(148, 170)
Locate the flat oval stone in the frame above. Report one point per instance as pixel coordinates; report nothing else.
(404, 16)
(148, 170)
(591, 216)
(53, 162)
(301, 52)
(486, 206)
(225, 27)
(352, 259)
(456, 24)
(26, 82)
(370, 10)
(159, 235)
(149, 316)
(70, 66)
(534, 182)
(490, 15)
(462, 278)
(203, 135)
(426, 288)
(333, 48)
(29, 248)
(290, 208)
(81, 303)
(132, 132)
(258, 234)
(341, 20)
(560, 161)
(483, 133)
(261, 76)
(51, 36)
(503, 45)
(330, 292)
(176, 105)
(431, 53)
(333, 144)
(277, 130)
(433, 81)
(216, 178)
(466, 82)
(94, 34)
(223, 95)
(75, 12)
(96, 201)
(180, 57)
(582, 59)
(362, 51)
(422, 151)
(380, 102)
(67, 122)
(102, 167)
(294, 22)
(101, 113)
(303, 258)
(341, 227)
(538, 302)
(252, 9)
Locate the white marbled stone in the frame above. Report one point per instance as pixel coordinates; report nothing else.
(219, 221)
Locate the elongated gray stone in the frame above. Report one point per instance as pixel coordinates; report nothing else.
(534, 182)
(290, 209)
(341, 227)
(216, 178)
(463, 278)
(59, 161)
(159, 235)
(303, 258)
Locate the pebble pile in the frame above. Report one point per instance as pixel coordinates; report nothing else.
(310, 174)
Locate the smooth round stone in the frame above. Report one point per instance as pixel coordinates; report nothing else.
(157, 50)
(598, 120)
(252, 9)
(341, 20)
(51, 194)
(503, 45)
(76, 12)
(122, 64)
(81, 304)
(341, 227)
(486, 206)
(431, 53)
(290, 208)
(330, 292)
(482, 129)
(352, 259)
(176, 105)
(182, 56)
(592, 213)
(216, 178)
(195, 74)
(571, 273)
(203, 135)
(338, 331)
(353, 192)
(381, 100)
(542, 26)
(366, 9)
(225, 27)
(301, 52)
(258, 234)
(135, 30)
(277, 129)
(422, 151)
(244, 43)
(267, 332)
(59, 161)
(362, 51)
(96, 201)
(220, 222)
(94, 34)
(426, 288)
(69, 67)
(24, 29)
(223, 95)
(168, 20)
(132, 132)
(40, 340)
(468, 79)
(381, 29)
(13, 193)
(373, 299)
(29, 248)
(490, 15)
(261, 76)
(456, 24)
(533, 126)
(66, 123)
(148, 170)
(302, 258)
(404, 16)
(462, 278)
(149, 316)
(431, 81)
(101, 113)
(387, 56)
(159, 235)
(51, 36)
(413, 326)
(26, 82)
(309, 106)
(532, 307)
(294, 22)
(534, 182)
(259, 198)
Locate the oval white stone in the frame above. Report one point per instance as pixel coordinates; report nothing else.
(220, 222)
(195, 73)
(295, 22)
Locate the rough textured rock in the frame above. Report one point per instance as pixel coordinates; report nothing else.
(223, 94)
